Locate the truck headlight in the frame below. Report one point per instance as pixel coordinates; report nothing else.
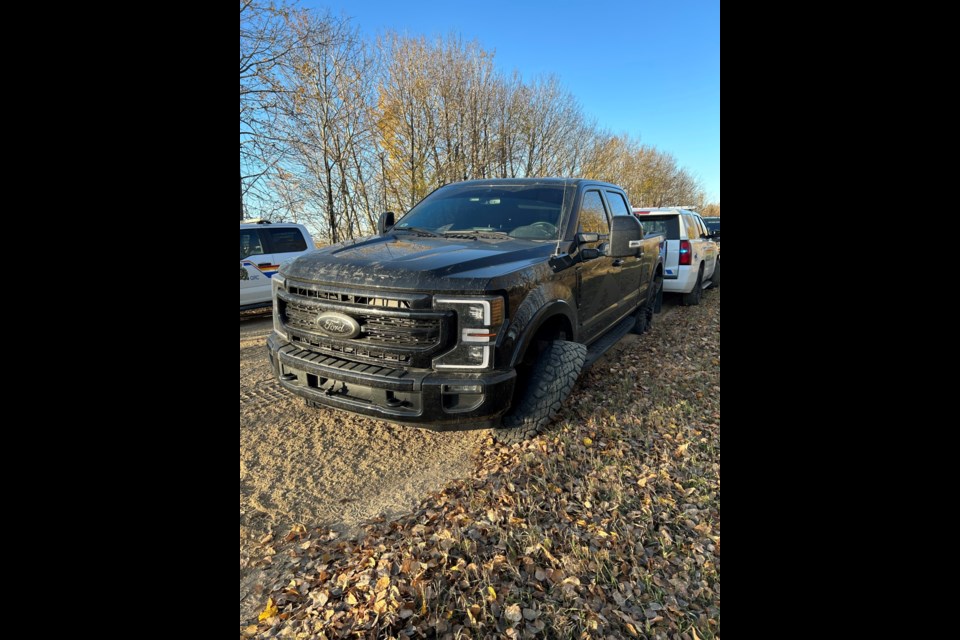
(277, 282)
(479, 321)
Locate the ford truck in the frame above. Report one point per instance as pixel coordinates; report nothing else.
(478, 308)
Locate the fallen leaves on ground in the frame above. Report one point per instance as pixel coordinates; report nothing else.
(606, 526)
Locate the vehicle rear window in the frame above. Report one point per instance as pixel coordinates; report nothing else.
(285, 240)
(668, 226)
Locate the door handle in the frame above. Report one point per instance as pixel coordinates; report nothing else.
(263, 264)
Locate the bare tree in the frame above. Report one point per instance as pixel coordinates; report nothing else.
(265, 46)
(332, 129)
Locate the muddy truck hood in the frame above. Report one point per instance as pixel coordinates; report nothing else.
(418, 263)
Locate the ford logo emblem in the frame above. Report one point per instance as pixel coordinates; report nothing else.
(337, 325)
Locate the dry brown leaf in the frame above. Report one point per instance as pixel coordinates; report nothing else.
(512, 613)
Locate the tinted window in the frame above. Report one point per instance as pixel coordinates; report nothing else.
(691, 225)
(618, 206)
(250, 244)
(284, 240)
(668, 226)
(712, 223)
(593, 217)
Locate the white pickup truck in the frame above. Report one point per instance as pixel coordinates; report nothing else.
(693, 256)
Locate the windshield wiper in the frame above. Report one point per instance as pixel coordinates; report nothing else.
(417, 230)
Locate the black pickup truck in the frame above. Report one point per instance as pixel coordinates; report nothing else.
(478, 308)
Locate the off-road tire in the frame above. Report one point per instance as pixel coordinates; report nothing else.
(645, 313)
(551, 381)
(692, 299)
(643, 321)
(715, 278)
(658, 303)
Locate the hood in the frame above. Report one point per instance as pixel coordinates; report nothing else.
(407, 261)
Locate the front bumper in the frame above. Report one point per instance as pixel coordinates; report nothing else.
(420, 397)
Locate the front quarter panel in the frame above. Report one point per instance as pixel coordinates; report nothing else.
(534, 306)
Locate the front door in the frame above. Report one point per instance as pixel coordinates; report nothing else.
(254, 283)
(629, 276)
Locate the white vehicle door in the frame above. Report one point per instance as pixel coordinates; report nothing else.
(708, 247)
(285, 243)
(254, 283)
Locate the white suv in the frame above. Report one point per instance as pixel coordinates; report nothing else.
(693, 257)
(263, 246)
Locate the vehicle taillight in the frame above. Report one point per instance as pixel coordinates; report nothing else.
(685, 252)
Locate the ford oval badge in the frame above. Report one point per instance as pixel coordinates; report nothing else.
(337, 325)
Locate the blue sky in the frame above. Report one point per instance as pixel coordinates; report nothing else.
(650, 68)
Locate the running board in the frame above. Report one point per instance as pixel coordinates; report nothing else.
(611, 338)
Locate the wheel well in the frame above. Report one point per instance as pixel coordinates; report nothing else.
(556, 327)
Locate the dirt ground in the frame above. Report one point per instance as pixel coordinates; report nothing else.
(325, 468)
(322, 467)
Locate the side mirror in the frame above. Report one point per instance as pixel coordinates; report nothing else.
(589, 253)
(386, 222)
(587, 237)
(625, 236)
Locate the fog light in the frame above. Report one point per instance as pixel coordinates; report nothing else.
(462, 388)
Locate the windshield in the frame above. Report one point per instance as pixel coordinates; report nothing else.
(520, 211)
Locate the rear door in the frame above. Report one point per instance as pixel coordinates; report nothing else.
(709, 248)
(668, 225)
(630, 275)
(254, 283)
(595, 302)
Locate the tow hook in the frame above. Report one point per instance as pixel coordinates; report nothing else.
(334, 391)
